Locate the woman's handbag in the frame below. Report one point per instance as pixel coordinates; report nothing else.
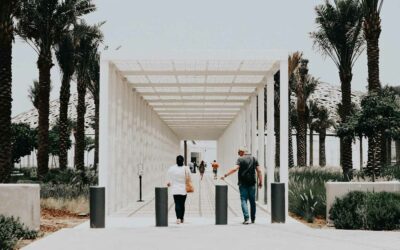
(189, 184)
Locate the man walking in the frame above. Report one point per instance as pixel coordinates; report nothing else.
(248, 167)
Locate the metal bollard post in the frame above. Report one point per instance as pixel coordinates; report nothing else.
(140, 189)
(278, 203)
(221, 204)
(97, 207)
(161, 207)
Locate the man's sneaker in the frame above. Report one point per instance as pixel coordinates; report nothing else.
(252, 221)
(246, 222)
(178, 221)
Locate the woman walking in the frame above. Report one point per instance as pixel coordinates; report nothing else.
(202, 169)
(177, 181)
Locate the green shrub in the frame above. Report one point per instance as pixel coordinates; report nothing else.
(391, 172)
(307, 194)
(63, 191)
(307, 198)
(366, 210)
(71, 176)
(58, 176)
(11, 230)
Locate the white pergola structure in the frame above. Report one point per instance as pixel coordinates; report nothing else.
(149, 106)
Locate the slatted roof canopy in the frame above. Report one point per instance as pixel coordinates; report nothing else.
(196, 96)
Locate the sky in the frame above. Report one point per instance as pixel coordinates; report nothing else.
(157, 26)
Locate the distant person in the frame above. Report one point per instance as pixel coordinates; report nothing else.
(177, 182)
(248, 167)
(215, 167)
(194, 166)
(191, 166)
(202, 169)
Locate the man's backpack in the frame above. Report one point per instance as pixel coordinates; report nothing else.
(248, 176)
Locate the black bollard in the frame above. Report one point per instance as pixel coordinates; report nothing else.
(221, 204)
(161, 207)
(140, 189)
(97, 207)
(278, 213)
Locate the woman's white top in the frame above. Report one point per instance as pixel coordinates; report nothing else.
(176, 176)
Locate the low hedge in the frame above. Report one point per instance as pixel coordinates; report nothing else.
(11, 230)
(366, 210)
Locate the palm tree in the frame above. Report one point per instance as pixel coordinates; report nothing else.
(339, 37)
(33, 92)
(310, 113)
(293, 64)
(301, 114)
(65, 54)
(42, 23)
(87, 53)
(89, 146)
(276, 115)
(321, 123)
(396, 90)
(7, 10)
(94, 88)
(372, 30)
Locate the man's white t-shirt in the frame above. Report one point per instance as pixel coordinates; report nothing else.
(177, 178)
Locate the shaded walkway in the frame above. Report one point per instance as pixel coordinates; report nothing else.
(200, 204)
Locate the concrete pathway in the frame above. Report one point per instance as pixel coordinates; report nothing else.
(133, 228)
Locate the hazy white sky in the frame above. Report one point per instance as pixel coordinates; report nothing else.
(159, 25)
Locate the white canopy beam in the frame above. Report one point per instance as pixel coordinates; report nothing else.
(203, 94)
(193, 72)
(194, 85)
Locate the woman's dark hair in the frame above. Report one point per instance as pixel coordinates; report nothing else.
(180, 160)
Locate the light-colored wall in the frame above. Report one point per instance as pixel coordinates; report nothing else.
(134, 140)
(21, 201)
(236, 135)
(339, 189)
(332, 150)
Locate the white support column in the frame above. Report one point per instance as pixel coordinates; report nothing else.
(105, 79)
(261, 138)
(270, 139)
(284, 127)
(253, 108)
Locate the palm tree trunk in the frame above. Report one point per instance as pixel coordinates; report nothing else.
(373, 65)
(277, 134)
(397, 152)
(311, 147)
(361, 153)
(96, 131)
(322, 156)
(44, 65)
(301, 140)
(346, 149)
(80, 126)
(63, 121)
(388, 151)
(291, 158)
(6, 37)
(372, 30)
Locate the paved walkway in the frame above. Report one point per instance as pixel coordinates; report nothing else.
(200, 204)
(133, 228)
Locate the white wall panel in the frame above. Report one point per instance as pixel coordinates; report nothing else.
(136, 138)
